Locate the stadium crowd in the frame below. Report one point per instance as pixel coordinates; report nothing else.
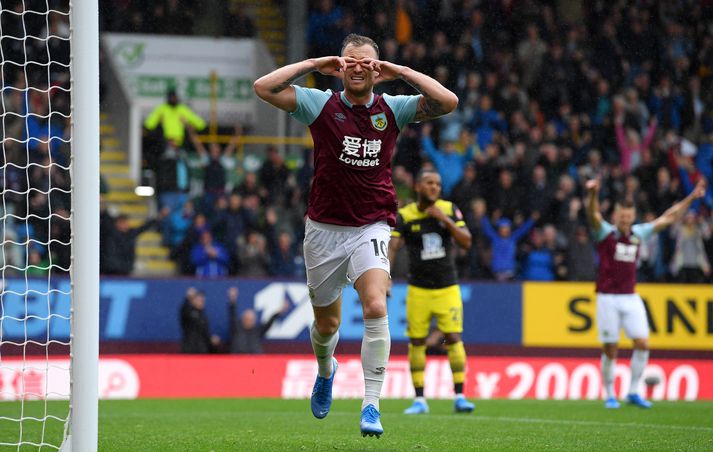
(36, 134)
(174, 17)
(548, 99)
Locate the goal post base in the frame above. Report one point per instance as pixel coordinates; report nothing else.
(66, 444)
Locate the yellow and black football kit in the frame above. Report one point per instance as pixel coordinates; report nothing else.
(433, 289)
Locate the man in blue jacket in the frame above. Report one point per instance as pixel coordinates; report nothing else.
(504, 245)
(448, 162)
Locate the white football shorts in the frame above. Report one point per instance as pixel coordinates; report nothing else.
(616, 311)
(338, 255)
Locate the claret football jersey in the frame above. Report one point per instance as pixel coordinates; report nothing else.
(353, 149)
(618, 255)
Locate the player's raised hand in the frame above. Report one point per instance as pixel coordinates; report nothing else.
(700, 190)
(385, 71)
(592, 185)
(330, 65)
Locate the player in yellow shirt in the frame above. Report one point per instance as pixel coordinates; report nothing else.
(428, 227)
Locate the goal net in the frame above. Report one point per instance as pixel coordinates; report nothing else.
(39, 206)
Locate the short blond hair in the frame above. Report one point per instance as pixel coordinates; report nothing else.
(358, 41)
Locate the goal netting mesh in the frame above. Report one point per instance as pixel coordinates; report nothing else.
(35, 260)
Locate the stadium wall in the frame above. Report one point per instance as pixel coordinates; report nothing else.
(537, 315)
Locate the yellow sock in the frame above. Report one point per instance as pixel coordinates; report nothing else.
(456, 357)
(417, 360)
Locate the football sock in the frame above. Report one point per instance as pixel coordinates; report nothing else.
(417, 362)
(323, 347)
(639, 359)
(456, 357)
(607, 367)
(375, 349)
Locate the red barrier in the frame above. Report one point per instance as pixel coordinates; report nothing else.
(292, 376)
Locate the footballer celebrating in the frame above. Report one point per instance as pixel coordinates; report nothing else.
(618, 305)
(428, 227)
(352, 201)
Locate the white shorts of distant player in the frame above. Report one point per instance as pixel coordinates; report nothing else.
(338, 255)
(616, 311)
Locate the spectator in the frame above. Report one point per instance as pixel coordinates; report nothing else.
(216, 162)
(250, 186)
(209, 257)
(183, 252)
(245, 333)
(177, 225)
(274, 176)
(539, 196)
(237, 24)
(447, 161)
(235, 226)
(403, 184)
(667, 190)
(556, 245)
(504, 243)
(217, 215)
(252, 252)
(173, 116)
(177, 17)
(322, 27)
(486, 121)
(60, 239)
(43, 131)
(38, 265)
(530, 54)
(505, 200)
(467, 189)
(539, 262)
(667, 104)
(403, 28)
(650, 267)
(119, 247)
(172, 179)
(194, 325)
(690, 263)
(477, 257)
(631, 146)
(580, 249)
(283, 257)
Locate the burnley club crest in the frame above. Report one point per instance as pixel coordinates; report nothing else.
(379, 121)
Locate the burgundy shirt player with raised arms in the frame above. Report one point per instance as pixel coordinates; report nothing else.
(618, 255)
(353, 149)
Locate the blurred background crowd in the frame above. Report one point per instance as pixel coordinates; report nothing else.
(545, 104)
(35, 131)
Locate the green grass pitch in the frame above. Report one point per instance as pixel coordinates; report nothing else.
(274, 425)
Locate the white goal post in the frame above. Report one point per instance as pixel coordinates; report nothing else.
(84, 405)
